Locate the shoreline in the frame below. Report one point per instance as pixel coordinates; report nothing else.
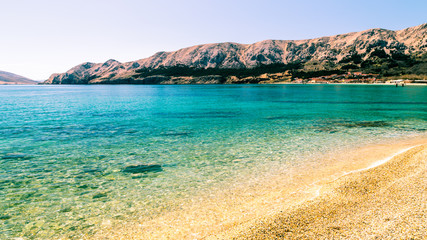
(379, 84)
(382, 200)
(223, 212)
(260, 83)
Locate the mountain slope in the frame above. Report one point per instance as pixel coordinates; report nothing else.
(325, 53)
(11, 78)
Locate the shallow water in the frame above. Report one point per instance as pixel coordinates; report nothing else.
(63, 149)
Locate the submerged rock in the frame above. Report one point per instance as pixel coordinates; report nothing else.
(16, 155)
(366, 124)
(276, 118)
(99, 195)
(143, 168)
(92, 170)
(5, 217)
(65, 210)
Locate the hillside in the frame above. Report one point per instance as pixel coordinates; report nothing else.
(7, 78)
(375, 51)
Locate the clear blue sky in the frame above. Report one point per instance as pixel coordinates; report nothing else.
(42, 37)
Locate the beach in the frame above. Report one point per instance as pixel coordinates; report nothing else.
(387, 201)
(373, 192)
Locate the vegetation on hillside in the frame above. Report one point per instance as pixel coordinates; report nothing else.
(395, 64)
(183, 70)
(390, 65)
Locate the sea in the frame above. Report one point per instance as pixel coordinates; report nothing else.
(75, 158)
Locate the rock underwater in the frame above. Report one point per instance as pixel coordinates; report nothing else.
(143, 168)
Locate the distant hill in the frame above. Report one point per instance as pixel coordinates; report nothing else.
(11, 78)
(377, 51)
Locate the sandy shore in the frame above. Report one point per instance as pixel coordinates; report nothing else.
(388, 201)
(341, 195)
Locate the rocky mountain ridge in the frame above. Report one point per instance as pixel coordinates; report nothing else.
(320, 51)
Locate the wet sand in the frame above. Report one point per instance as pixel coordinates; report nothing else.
(388, 201)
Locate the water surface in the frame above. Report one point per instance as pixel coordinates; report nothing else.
(63, 149)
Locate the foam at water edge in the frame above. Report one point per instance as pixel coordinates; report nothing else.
(378, 163)
(373, 165)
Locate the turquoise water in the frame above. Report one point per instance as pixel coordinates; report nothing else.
(63, 149)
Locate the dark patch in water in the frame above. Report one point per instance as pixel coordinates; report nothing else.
(276, 118)
(80, 176)
(5, 217)
(99, 195)
(54, 187)
(86, 186)
(364, 124)
(72, 228)
(14, 183)
(333, 123)
(130, 131)
(16, 156)
(120, 217)
(389, 109)
(326, 131)
(6, 181)
(29, 195)
(65, 210)
(172, 133)
(41, 170)
(334, 126)
(143, 168)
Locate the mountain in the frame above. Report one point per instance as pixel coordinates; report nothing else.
(374, 50)
(11, 78)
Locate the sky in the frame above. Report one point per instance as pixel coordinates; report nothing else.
(42, 37)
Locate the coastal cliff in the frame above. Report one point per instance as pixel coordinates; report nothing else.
(374, 51)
